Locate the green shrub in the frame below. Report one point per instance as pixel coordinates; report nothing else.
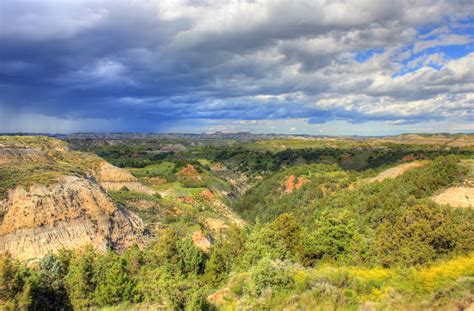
(113, 282)
(15, 289)
(80, 282)
(269, 274)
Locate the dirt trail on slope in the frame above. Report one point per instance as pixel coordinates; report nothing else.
(396, 171)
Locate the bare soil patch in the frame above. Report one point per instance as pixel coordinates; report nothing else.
(456, 197)
(396, 171)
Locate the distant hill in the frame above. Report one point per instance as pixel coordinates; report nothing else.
(447, 139)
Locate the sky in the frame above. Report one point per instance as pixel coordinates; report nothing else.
(366, 67)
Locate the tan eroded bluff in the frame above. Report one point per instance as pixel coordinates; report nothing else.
(56, 198)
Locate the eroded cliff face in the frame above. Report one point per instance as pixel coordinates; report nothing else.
(57, 198)
(71, 213)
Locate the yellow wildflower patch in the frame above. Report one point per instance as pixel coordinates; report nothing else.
(432, 277)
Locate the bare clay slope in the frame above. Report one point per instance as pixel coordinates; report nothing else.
(460, 195)
(396, 171)
(58, 199)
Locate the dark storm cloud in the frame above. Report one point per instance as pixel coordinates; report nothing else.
(153, 62)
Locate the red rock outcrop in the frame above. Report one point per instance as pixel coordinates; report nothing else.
(189, 171)
(293, 183)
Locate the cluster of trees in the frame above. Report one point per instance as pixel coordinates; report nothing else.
(269, 198)
(374, 200)
(173, 273)
(168, 274)
(391, 223)
(122, 156)
(360, 158)
(141, 153)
